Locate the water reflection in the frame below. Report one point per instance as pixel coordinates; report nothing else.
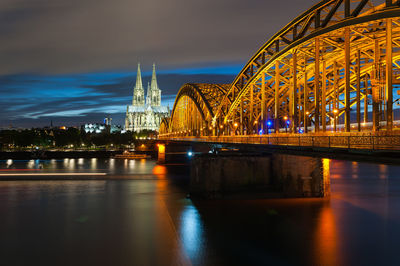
(94, 163)
(160, 171)
(354, 169)
(112, 164)
(326, 163)
(149, 221)
(326, 237)
(383, 171)
(191, 232)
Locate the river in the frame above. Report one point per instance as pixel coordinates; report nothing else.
(121, 212)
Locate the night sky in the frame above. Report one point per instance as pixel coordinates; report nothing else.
(75, 61)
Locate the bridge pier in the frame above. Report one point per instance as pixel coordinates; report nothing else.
(265, 176)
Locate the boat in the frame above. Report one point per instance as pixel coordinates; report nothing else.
(132, 156)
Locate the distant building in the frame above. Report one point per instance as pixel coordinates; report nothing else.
(100, 128)
(145, 114)
(107, 121)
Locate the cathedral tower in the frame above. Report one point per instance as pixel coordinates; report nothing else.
(138, 92)
(155, 91)
(148, 97)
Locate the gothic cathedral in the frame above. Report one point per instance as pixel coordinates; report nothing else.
(145, 113)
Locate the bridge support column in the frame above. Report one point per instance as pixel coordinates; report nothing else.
(276, 106)
(305, 98)
(323, 104)
(263, 102)
(316, 85)
(293, 99)
(375, 88)
(241, 129)
(358, 96)
(389, 75)
(250, 121)
(366, 98)
(347, 79)
(336, 96)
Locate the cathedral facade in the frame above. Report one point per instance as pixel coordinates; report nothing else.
(145, 113)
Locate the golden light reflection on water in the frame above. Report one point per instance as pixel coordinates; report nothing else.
(326, 242)
(160, 171)
(326, 164)
(354, 170)
(383, 171)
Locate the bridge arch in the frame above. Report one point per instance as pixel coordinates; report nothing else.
(164, 126)
(317, 68)
(194, 108)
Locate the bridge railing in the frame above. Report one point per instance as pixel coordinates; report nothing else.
(368, 142)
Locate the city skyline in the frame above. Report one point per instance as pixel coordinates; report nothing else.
(74, 75)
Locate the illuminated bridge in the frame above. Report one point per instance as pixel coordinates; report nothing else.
(328, 78)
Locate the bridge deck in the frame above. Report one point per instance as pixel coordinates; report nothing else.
(350, 141)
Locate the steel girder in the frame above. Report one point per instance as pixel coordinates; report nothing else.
(337, 55)
(194, 107)
(324, 26)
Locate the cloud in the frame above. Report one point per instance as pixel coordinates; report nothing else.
(81, 98)
(74, 61)
(80, 36)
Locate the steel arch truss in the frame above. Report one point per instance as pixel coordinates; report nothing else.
(347, 43)
(164, 126)
(194, 108)
(333, 65)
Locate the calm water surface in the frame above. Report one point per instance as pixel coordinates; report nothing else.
(138, 214)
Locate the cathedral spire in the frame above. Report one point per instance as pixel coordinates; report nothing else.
(138, 92)
(139, 78)
(154, 85)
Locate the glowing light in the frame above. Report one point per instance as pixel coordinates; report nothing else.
(269, 123)
(159, 170)
(161, 148)
(235, 125)
(285, 118)
(335, 111)
(260, 132)
(190, 154)
(221, 126)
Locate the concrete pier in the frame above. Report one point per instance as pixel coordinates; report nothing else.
(274, 175)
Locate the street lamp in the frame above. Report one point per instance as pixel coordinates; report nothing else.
(236, 126)
(269, 124)
(335, 112)
(286, 120)
(306, 122)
